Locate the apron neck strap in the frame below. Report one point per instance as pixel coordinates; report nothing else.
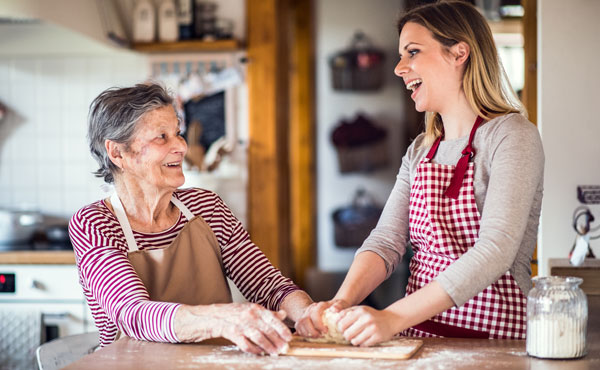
(122, 218)
(461, 167)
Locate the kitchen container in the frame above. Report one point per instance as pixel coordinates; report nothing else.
(361, 145)
(144, 21)
(358, 68)
(353, 223)
(18, 226)
(557, 315)
(168, 28)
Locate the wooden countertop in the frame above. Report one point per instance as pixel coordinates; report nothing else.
(37, 258)
(436, 353)
(589, 271)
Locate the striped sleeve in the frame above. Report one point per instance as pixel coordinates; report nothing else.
(245, 264)
(110, 280)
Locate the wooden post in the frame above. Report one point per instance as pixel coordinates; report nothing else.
(529, 94)
(268, 187)
(302, 139)
(530, 49)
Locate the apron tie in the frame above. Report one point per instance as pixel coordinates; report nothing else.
(461, 167)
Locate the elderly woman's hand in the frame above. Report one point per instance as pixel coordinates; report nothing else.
(251, 327)
(311, 323)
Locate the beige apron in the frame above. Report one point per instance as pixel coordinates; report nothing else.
(189, 270)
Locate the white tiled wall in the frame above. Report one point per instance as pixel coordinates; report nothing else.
(44, 160)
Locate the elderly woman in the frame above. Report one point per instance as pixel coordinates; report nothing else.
(153, 259)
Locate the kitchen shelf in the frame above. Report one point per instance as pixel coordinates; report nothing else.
(37, 258)
(188, 46)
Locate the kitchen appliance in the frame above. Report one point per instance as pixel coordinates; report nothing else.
(38, 303)
(52, 289)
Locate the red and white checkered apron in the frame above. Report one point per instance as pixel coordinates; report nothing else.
(443, 226)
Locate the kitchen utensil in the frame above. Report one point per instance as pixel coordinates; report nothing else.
(18, 226)
(398, 349)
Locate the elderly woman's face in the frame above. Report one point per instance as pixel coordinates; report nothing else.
(156, 152)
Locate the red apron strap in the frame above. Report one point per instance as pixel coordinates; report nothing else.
(449, 331)
(461, 167)
(434, 147)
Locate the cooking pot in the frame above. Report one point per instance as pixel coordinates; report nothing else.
(18, 226)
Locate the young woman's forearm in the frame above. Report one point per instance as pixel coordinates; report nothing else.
(365, 274)
(420, 306)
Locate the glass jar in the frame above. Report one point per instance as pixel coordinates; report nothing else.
(557, 314)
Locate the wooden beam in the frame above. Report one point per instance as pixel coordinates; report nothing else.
(529, 96)
(529, 93)
(302, 139)
(268, 187)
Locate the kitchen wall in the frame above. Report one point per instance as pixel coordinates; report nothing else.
(48, 77)
(333, 32)
(568, 98)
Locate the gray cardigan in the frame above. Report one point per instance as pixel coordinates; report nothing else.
(508, 182)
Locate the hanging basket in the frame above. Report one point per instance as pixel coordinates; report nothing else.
(361, 145)
(365, 158)
(358, 68)
(353, 223)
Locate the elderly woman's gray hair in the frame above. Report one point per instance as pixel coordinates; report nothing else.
(114, 115)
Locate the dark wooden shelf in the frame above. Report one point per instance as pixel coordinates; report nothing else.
(187, 46)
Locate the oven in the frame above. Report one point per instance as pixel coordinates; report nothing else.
(39, 303)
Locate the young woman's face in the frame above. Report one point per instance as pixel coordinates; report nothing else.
(427, 69)
(155, 155)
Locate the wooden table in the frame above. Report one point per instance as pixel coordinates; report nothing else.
(436, 353)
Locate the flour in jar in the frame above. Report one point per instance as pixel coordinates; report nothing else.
(556, 336)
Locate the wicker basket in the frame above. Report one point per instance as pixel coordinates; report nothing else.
(364, 158)
(358, 68)
(353, 223)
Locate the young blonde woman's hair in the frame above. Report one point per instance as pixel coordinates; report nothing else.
(485, 83)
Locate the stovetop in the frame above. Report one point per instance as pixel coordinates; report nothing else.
(36, 246)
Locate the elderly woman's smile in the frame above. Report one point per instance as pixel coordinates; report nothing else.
(155, 155)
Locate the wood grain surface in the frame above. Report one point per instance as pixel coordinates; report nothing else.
(399, 349)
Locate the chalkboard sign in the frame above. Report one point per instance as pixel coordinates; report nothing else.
(209, 111)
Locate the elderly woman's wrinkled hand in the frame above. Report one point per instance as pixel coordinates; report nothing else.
(251, 327)
(311, 323)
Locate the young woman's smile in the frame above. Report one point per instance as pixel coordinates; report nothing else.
(427, 69)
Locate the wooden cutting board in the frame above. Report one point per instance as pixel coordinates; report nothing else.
(397, 349)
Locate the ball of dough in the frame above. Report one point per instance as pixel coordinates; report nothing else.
(330, 319)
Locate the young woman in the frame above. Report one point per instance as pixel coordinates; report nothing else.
(467, 196)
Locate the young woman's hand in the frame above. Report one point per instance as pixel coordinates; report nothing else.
(311, 324)
(365, 326)
(251, 327)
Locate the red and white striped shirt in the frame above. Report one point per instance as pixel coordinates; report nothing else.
(117, 297)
